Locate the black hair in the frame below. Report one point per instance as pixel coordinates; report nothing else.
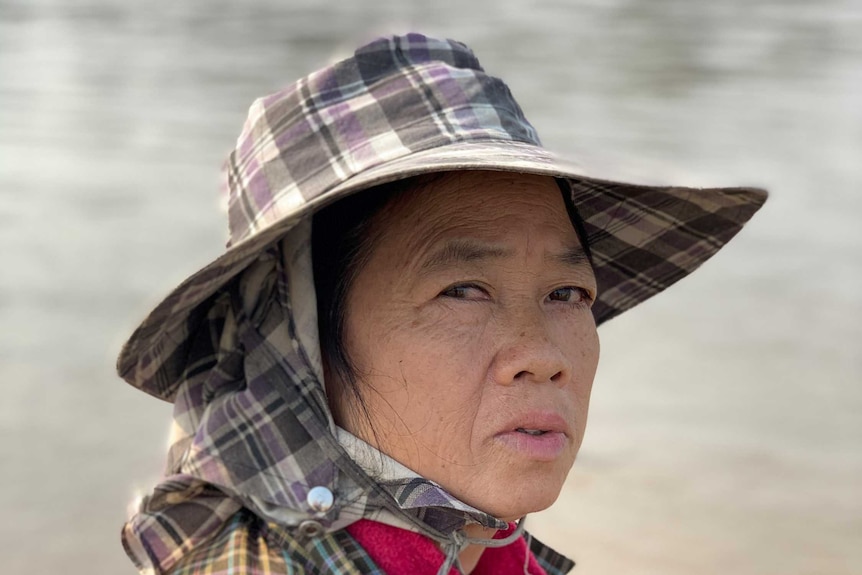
(577, 222)
(342, 239)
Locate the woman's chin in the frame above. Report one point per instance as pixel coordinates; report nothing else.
(516, 499)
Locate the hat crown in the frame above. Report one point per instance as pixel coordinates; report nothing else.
(394, 97)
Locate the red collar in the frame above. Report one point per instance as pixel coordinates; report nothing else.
(402, 552)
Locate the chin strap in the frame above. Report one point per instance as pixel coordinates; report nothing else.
(458, 541)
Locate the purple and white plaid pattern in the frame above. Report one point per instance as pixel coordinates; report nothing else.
(393, 98)
(252, 428)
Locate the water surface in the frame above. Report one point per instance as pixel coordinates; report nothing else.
(724, 433)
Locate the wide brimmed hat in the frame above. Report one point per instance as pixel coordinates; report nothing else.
(412, 105)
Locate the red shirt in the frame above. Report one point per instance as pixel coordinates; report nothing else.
(402, 552)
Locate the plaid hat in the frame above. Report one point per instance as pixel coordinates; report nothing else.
(412, 105)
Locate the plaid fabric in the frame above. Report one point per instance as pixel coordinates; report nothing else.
(253, 435)
(235, 346)
(249, 546)
(552, 562)
(644, 240)
(393, 98)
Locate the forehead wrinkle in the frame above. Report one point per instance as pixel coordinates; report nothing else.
(427, 223)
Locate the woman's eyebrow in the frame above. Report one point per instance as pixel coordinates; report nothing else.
(455, 252)
(461, 251)
(574, 256)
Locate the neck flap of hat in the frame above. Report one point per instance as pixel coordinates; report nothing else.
(252, 428)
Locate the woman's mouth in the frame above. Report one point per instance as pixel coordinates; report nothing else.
(531, 431)
(537, 436)
(535, 444)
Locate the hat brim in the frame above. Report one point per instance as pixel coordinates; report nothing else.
(642, 238)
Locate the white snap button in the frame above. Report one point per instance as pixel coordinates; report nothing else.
(320, 499)
(310, 528)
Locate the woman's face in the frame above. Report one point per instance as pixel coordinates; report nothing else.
(474, 344)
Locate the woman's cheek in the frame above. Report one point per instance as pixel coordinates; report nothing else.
(456, 348)
(446, 359)
(453, 320)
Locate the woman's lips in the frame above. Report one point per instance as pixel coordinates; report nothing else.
(545, 447)
(540, 435)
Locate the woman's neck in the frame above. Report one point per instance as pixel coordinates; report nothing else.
(471, 554)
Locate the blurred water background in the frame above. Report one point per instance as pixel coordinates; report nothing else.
(725, 433)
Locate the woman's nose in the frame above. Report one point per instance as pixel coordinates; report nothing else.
(529, 353)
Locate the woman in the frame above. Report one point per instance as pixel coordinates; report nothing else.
(390, 381)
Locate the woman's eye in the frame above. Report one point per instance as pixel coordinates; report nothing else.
(464, 291)
(570, 294)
